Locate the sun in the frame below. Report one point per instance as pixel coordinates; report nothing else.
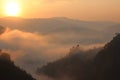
(12, 9)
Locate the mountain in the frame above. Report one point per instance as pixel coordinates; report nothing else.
(113, 28)
(44, 26)
(105, 65)
(49, 25)
(85, 32)
(75, 66)
(107, 61)
(8, 70)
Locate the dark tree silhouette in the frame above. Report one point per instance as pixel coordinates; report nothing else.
(107, 62)
(8, 70)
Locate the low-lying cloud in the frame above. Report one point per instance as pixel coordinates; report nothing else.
(31, 50)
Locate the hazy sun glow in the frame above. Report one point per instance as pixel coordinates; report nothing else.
(12, 9)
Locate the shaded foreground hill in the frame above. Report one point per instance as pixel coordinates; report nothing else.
(104, 66)
(107, 62)
(8, 71)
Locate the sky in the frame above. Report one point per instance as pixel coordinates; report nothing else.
(58, 40)
(101, 10)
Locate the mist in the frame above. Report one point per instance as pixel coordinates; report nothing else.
(33, 43)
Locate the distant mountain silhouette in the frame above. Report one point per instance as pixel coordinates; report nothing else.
(104, 66)
(45, 25)
(113, 28)
(56, 24)
(8, 71)
(72, 29)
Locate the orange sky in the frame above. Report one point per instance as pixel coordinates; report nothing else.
(103, 10)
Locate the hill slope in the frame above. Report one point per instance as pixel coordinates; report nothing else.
(107, 62)
(104, 66)
(75, 66)
(8, 71)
